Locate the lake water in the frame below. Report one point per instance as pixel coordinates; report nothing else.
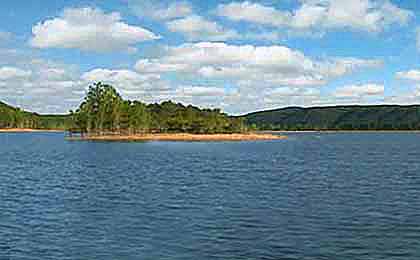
(314, 196)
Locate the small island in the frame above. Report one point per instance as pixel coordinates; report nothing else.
(105, 116)
(185, 137)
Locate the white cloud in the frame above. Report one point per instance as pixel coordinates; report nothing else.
(359, 91)
(133, 85)
(52, 74)
(254, 12)
(341, 66)
(195, 27)
(7, 73)
(120, 76)
(413, 75)
(89, 29)
(154, 66)
(151, 88)
(405, 98)
(258, 65)
(320, 15)
(159, 11)
(291, 92)
(236, 78)
(200, 91)
(243, 78)
(39, 85)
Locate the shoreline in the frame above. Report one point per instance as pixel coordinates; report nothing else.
(182, 137)
(341, 131)
(29, 130)
(248, 135)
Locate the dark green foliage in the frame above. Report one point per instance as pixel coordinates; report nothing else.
(11, 117)
(104, 111)
(338, 118)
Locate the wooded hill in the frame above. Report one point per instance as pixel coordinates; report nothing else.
(384, 117)
(11, 117)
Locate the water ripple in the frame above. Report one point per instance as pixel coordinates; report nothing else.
(329, 196)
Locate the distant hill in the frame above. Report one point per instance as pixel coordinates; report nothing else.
(11, 117)
(384, 117)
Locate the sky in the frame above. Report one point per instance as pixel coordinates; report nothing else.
(240, 56)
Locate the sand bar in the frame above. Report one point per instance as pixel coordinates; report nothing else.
(182, 137)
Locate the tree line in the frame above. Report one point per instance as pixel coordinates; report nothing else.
(104, 111)
(11, 117)
(380, 117)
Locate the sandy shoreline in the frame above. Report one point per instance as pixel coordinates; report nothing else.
(182, 137)
(28, 130)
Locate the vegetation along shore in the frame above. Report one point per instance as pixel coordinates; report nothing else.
(181, 137)
(105, 115)
(104, 112)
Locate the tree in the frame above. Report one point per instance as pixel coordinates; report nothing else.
(104, 111)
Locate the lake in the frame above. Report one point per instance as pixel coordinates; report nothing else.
(335, 196)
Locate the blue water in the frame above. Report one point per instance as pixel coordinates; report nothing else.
(313, 196)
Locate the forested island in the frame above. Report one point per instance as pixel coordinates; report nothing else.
(105, 115)
(104, 111)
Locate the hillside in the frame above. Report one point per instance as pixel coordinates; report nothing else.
(338, 118)
(11, 117)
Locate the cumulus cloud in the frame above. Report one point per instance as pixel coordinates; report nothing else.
(152, 88)
(89, 29)
(412, 75)
(236, 78)
(248, 78)
(410, 97)
(7, 73)
(195, 27)
(122, 76)
(254, 12)
(321, 15)
(259, 65)
(179, 17)
(37, 84)
(359, 91)
(126, 80)
(290, 96)
(160, 10)
(200, 91)
(340, 66)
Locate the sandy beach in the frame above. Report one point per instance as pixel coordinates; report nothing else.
(181, 137)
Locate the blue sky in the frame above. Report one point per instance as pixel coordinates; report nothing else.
(240, 56)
